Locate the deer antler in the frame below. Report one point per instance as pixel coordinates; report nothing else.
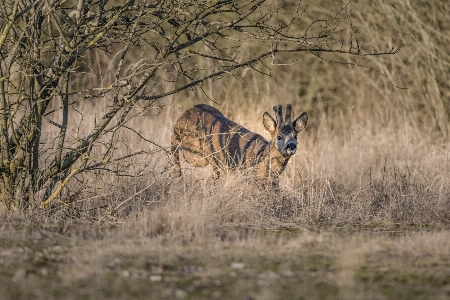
(288, 114)
(278, 114)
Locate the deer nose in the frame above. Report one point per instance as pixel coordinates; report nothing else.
(291, 148)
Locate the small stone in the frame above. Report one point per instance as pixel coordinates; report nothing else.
(43, 272)
(268, 275)
(289, 273)
(180, 293)
(57, 248)
(237, 265)
(20, 274)
(114, 264)
(155, 278)
(126, 274)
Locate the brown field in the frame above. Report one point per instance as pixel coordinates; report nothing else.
(363, 211)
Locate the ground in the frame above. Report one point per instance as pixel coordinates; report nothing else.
(105, 261)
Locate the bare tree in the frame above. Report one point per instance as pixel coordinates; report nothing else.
(54, 54)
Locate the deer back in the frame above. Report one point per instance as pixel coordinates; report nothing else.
(207, 136)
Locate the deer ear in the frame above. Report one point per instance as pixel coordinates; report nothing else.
(269, 123)
(300, 123)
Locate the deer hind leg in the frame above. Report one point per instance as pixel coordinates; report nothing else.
(175, 149)
(216, 173)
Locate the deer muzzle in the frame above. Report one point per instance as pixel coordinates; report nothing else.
(291, 148)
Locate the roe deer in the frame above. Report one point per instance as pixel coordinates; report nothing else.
(204, 135)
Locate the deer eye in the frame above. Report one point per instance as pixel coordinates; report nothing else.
(279, 137)
(295, 136)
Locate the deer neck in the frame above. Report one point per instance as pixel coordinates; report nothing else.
(272, 163)
(277, 162)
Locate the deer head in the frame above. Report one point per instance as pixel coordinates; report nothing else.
(284, 134)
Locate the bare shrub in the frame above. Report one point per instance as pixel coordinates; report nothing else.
(62, 59)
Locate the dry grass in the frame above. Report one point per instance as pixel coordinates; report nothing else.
(363, 211)
(124, 263)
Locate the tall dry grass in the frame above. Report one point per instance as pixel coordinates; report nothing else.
(374, 154)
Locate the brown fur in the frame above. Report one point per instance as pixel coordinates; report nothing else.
(205, 136)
